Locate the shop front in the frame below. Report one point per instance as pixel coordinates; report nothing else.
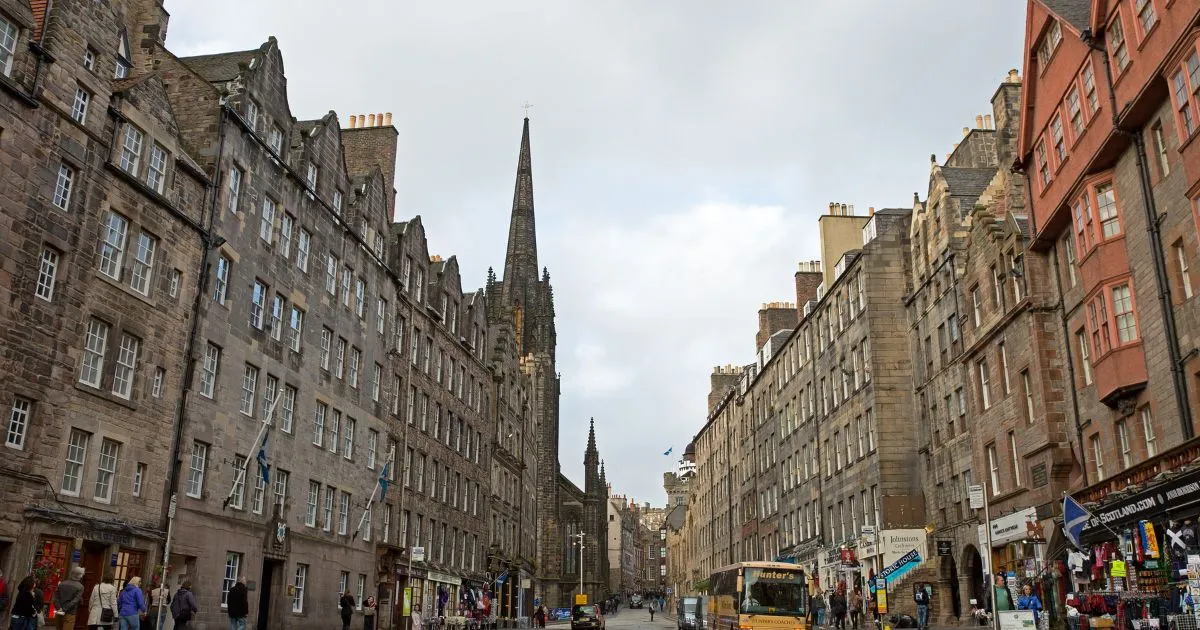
(102, 549)
(410, 588)
(1140, 560)
(1018, 544)
(442, 592)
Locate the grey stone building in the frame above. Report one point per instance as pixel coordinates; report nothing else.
(103, 218)
(939, 313)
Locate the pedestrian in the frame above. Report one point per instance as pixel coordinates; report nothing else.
(183, 606)
(67, 598)
(346, 603)
(651, 611)
(999, 598)
(539, 617)
(837, 607)
(369, 608)
(27, 606)
(921, 599)
(238, 602)
(818, 609)
(1030, 601)
(159, 602)
(102, 605)
(855, 603)
(416, 617)
(131, 604)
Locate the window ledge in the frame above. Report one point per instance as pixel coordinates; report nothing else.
(106, 395)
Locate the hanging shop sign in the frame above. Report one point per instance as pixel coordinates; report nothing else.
(1145, 505)
(1020, 525)
(899, 568)
(945, 548)
(444, 578)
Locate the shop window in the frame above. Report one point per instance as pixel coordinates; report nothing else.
(129, 564)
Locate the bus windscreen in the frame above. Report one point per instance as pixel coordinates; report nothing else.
(773, 592)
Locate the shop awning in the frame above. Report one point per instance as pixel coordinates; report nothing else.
(1169, 496)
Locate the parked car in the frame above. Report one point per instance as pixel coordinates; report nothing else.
(688, 614)
(586, 616)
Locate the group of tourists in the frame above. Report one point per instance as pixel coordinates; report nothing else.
(836, 606)
(133, 607)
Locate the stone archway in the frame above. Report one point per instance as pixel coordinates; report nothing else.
(972, 564)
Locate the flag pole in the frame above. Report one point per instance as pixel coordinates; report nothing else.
(371, 500)
(240, 479)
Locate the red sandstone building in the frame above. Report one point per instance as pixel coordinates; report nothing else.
(1112, 108)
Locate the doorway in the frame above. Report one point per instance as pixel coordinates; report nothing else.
(92, 561)
(266, 586)
(955, 596)
(974, 566)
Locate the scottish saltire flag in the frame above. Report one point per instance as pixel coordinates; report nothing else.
(262, 459)
(383, 480)
(669, 451)
(1075, 516)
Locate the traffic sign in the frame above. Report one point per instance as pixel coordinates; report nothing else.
(418, 554)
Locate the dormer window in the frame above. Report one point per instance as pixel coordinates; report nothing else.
(252, 114)
(311, 177)
(1049, 45)
(123, 63)
(275, 139)
(8, 45)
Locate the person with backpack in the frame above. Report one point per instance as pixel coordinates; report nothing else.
(855, 604)
(183, 606)
(921, 599)
(27, 606)
(837, 606)
(238, 605)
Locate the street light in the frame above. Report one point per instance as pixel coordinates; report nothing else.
(580, 536)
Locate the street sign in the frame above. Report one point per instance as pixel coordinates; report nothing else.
(581, 600)
(418, 554)
(944, 548)
(976, 494)
(668, 590)
(868, 534)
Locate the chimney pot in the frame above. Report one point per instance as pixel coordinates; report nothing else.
(851, 209)
(843, 209)
(871, 211)
(987, 121)
(379, 119)
(1014, 76)
(371, 120)
(387, 119)
(352, 121)
(966, 130)
(978, 121)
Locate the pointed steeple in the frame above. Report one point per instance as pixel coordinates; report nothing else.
(591, 446)
(520, 263)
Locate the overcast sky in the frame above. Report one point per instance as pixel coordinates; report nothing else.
(682, 152)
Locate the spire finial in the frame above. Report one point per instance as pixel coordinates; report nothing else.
(527, 106)
(591, 446)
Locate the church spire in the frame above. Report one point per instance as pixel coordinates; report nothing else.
(591, 447)
(520, 263)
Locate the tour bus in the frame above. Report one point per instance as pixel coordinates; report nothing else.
(754, 595)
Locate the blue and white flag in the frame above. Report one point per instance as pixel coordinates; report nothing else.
(1075, 516)
(669, 451)
(383, 480)
(262, 460)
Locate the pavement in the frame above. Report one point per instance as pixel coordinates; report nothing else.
(629, 619)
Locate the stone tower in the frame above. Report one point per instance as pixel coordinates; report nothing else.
(527, 301)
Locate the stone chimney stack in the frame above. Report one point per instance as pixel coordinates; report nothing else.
(772, 318)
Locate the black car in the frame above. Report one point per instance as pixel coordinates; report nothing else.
(586, 616)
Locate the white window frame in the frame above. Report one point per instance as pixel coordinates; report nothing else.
(296, 328)
(73, 471)
(125, 370)
(303, 245)
(1185, 278)
(221, 279)
(1148, 433)
(249, 390)
(299, 584)
(266, 225)
(95, 346)
(233, 567)
(209, 369)
(47, 274)
(112, 246)
(63, 184)
(142, 272)
(234, 198)
(197, 464)
(156, 173)
(106, 470)
(319, 415)
(8, 45)
(131, 150)
(19, 418)
(314, 499)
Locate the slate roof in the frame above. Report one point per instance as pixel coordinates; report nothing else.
(221, 66)
(1078, 13)
(968, 183)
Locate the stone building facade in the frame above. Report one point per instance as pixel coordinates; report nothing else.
(99, 247)
(953, 230)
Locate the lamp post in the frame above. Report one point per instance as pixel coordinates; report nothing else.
(580, 536)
